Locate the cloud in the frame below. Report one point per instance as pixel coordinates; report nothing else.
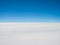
(27, 33)
(29, 26)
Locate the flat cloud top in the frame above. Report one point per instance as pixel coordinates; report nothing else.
(10, 36)
(34, 26)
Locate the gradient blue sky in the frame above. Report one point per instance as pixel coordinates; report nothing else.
(29, 10)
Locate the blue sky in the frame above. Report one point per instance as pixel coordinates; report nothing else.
(29, 11)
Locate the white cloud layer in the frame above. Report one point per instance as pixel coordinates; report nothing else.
(30, 33)
(29, 26)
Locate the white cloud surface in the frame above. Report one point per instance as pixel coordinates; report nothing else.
(30, 33)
